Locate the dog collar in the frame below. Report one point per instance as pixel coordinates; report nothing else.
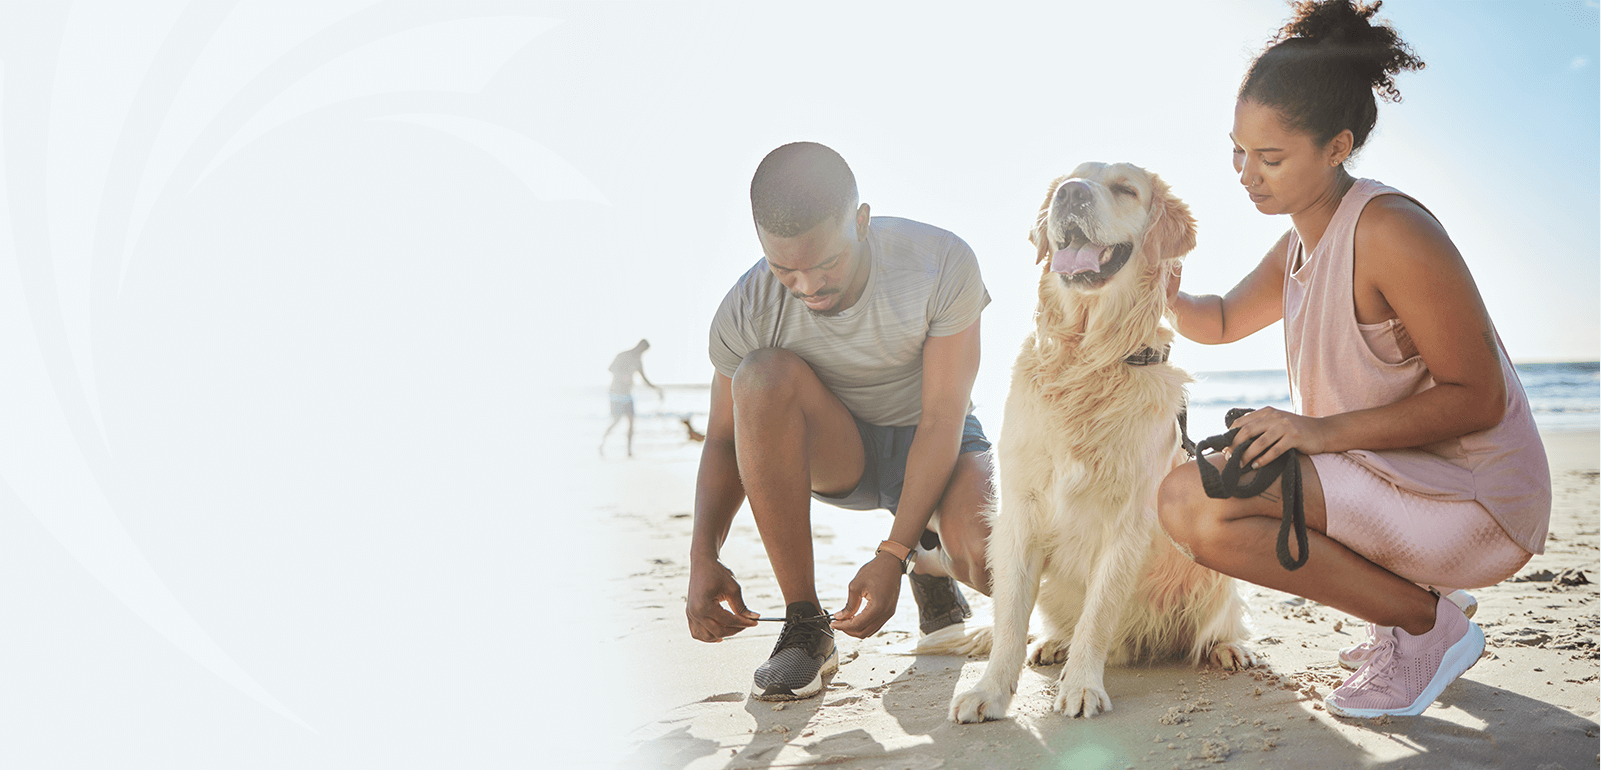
(1146, 357)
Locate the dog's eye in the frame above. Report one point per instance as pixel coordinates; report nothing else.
(1125, 190)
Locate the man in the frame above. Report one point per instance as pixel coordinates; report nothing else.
(623, 368)
(845, 360)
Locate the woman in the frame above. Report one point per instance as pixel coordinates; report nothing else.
(1421, 467)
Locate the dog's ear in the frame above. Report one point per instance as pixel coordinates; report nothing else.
(1171, 233)
(1037, 236)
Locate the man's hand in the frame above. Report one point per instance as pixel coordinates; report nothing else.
(710, 585)
(879, 583)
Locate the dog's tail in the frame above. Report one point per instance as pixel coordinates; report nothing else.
(957, 640)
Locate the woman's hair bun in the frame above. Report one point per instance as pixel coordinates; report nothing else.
(1346, 30)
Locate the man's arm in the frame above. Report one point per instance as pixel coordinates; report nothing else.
(641, 369)
(950, 365)
(718, 495)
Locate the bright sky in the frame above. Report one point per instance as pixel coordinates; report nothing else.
(960, 118)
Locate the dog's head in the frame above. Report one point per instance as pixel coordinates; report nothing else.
(1114, 225)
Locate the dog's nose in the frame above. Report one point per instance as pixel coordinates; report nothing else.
(1074, 195)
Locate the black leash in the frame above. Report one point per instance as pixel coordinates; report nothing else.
(1184, 432)
(1221, 486)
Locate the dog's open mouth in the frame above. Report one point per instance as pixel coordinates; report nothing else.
(1088, 264)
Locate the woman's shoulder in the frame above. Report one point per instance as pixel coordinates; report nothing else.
(1394, 221)
(1387, 200)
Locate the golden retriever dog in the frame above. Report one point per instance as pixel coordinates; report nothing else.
(1091, 428)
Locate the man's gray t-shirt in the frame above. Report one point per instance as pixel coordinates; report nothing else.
(924, 283)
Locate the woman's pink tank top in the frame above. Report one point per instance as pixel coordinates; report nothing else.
(1337, 365)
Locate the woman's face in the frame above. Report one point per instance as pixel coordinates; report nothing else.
(1284, 172)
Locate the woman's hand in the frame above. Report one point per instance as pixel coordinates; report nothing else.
(1276, 432)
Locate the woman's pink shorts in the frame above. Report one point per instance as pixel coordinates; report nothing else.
(1443, 544)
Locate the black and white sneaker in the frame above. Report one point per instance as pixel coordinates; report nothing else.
(805, 653)
(940, 603)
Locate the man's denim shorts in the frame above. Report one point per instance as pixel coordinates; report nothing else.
(884, 467)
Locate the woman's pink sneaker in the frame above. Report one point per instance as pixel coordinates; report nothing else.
(1405, 673)
(1353, 657)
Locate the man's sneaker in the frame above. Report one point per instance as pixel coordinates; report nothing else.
(1405, 673)
(939, 602)
(1353, 657)
(805, 653)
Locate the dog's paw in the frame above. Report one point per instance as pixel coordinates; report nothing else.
(1232, 656)
(1048, 652)
(984, 702)
(1081, 694)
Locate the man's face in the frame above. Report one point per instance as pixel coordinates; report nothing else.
(819, 266)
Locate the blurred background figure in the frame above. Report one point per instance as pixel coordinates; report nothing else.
(623, 368)
(694, 435)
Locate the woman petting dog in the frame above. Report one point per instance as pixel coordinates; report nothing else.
(1422, 470)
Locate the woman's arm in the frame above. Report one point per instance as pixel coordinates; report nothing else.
(1253, 304)
(1407, 268)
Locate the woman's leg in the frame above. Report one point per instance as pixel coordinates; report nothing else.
(1439, 544)
(1238, 537)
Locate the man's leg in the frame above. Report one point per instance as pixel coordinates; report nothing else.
(963, 524)
(793, 436)
(630, 430)
(614, 419)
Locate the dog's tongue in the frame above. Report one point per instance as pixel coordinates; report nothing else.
(1083, 259)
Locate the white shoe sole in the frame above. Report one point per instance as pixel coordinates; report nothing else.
(1456, 662)
(830, 666)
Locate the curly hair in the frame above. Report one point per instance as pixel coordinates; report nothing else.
(1322, 69)
(799, 185)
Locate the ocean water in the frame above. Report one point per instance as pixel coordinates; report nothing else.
(1564, 397)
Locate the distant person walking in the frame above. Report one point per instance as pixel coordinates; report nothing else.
(623, 368)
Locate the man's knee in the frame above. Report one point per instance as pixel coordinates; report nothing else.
(767, 371)
(965, 546)
(964, 520)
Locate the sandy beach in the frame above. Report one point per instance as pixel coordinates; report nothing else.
(1530, 702)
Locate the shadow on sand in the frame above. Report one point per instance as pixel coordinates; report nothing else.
(1163, 716)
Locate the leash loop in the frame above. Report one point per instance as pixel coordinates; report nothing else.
(1224, 485)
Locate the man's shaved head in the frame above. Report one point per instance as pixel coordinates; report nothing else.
(800, 185)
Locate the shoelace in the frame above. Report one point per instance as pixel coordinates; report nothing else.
(1365, 647)
(828, 615)
(1375, 674)
(1227, 484)
(801, 632)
